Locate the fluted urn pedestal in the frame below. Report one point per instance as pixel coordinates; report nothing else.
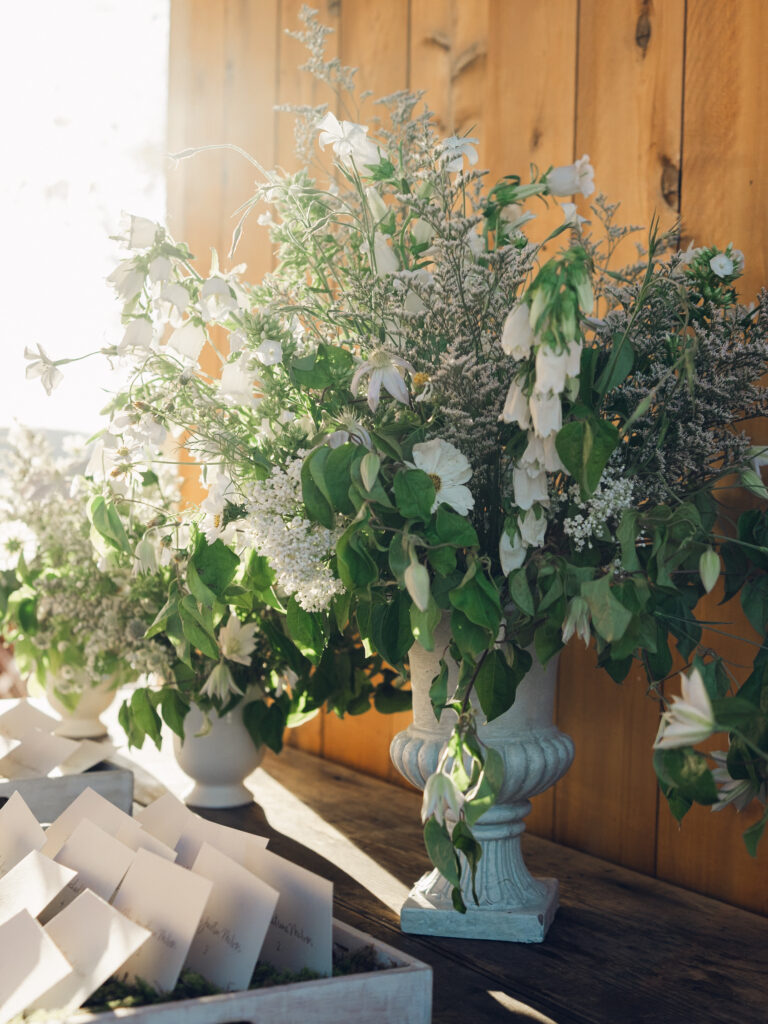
(512, 905)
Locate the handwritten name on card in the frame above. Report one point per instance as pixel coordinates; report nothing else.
(234, 923)
(169, 901)
(30, 964)
(90, 806)
(300, 933)
(96, 940)
(18, 718)
(20, 832)
(31, 885)
(100, 861)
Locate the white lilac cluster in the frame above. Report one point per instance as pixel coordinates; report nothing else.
(298, 551)
(614, 494)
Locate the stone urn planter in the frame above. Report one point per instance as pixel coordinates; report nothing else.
(219, 761)
(513, 905)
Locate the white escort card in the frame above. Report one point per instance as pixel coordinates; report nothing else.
(30, 964)
(169, 901)
(166, 818)
(96, 940)
(18, 718)
(38, 753)
(87, 754)
(93, 807)
(300, 934)
(20, 832)
(31, 885)
(100, 861)
(234, 923)
(230, 841)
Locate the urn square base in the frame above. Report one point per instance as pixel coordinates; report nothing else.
(419, 915)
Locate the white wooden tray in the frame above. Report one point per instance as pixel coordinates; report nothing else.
(401, 994)
(47, 797)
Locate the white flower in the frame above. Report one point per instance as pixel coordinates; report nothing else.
(269, 353)
(689, 255)
(350, 430)
(577, 621)
(570, 216)
(511, 552)
(739, 792)
(546, 414)
(16, 540)
(159, 269)
(533, 529)
(573, 360)
(189, 339)
(383, 368)
(441, 795)
(237, 340)
(421, 231)
(43, 367)
(377, 206)
(141, 233)
(236, 640)
(529, 488)
(721, 265)
(517, 338)
(172, 304)
(220, 683)
(690, 718)
(384, 259)
(572, 178)
(551, 370)
(453, 150)
(541, 453)
(127, 280)
(216, 301)
(516, 408)
(138, 334)
(145, 560)
(449, 470)
(236, 382)
(350, 142)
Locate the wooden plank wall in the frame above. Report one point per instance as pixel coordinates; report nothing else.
(667, 97)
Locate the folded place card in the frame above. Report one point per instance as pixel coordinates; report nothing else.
(169, 901)
(165, 818)
(97, 940)
(31, 885)
(139, 839)
(234, 923)
(21, 718)
(300, 934)
(38, 753)
(7, 745)
(87, 754)
(230, 841)
(20, 832)
(90, 806)
(100, 861)
(30, 964)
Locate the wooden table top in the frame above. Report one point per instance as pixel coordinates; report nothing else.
(623, 949)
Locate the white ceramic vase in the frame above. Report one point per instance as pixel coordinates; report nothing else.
(218, 762)
(83, 721)
(513, 905)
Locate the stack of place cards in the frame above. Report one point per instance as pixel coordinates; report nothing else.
(30, 749)
(102, 894)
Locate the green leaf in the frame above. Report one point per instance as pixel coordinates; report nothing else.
(754, 601)
(609, 617)
(390, 628)
(399, 556)
(619, 365)
(442, 560)
(441, 852)
(414, 494)
(627, 537)
(306, 630)
(266, 723)
(388, 699)
(199, 590)
(687, 771)
(735, 713)
(438, 691)
(491, 781)
(495, 685)
(423, 624)
(754, 834)
(465, 843)
(318, 506)
(451, 528)
(477, 597)
(106, 520)
(145, 715)
(548, 640)
(338, 476)
(471, 640)
(216, 565)
(520, 592)
(196, 630)
(585, 446)
(174, 709)
(356, 567)
(369, 469)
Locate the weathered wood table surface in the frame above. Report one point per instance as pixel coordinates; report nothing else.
(623, 949)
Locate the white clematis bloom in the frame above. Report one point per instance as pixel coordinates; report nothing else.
(220, 683)
(449, 470)
(236, 640)
(383, 369)
(454, 149)
(577, 621)
(517, 338)
(572, 178)
(42, 366)
(350, 142)
(516, 408)
(511, 552)
(441, 795)
(690, 718)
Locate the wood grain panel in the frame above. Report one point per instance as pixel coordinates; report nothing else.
(630, 81)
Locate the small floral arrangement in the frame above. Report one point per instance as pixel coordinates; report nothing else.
(421, 415)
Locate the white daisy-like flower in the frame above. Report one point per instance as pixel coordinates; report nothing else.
(454, 149)
(220, 683)
(16, 539)
(384, 370)
(449, 470)
(236, 640)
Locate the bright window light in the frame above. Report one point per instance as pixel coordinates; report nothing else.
(84, 86)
